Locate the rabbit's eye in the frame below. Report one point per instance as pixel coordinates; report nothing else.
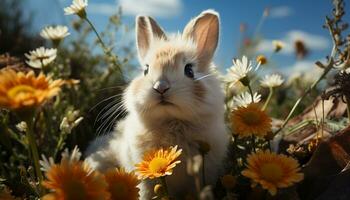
(189, 71)
(145, 72)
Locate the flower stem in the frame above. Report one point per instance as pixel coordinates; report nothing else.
(34, 151)
(325, 72)
(251, 92)
(59, 144)
(166, 191)
(268, 99)
(106, 51)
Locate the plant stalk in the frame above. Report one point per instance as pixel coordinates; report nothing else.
(268, 99)
(34, 151)
(166, 191)
(106, 51)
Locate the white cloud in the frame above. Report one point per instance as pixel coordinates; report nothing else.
(156, 8)
(306, 68)
(102, 8)
(280, 11)
(312, 42)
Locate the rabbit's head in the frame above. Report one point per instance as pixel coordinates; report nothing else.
(176, 81)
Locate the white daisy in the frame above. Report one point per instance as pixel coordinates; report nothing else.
(244, 99)
(77, 7)
(55, 33)
(41, 57)
(239, 70)
(73, 156)
(271, 81)
(45, 163)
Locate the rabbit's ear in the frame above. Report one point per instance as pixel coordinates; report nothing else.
(146, 30)
(204, 30)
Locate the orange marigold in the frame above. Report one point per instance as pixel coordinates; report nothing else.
(158, 163)
(24, 90)
(122, 185)
(250, 120)
(272, 170)
(73, 179)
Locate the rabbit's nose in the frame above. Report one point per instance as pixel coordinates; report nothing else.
(161, 86)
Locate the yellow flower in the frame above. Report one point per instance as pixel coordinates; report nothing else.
(272, 170)
(158, 163)
(122, 185)
(261, 59)
(72, 180)
(19, 90)
(250, 120)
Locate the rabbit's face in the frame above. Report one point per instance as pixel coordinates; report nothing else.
(172, 83)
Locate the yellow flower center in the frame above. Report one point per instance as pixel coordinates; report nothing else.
(158, 165)
(20, 91)
(251, 118)
(74, 189)
(271, 172)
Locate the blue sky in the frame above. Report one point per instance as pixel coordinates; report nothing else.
(289, 20)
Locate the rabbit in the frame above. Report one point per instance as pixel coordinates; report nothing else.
(176, 100)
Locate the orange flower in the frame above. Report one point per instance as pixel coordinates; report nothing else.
(250, 120)
(19, 90)
(73, 179)
(122, 185)
(272, 170)
(158, 163)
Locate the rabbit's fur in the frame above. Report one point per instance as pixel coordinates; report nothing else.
(194, 108)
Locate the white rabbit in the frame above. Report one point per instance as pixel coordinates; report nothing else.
(175, 101)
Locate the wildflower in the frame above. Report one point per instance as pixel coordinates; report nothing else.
(250, 120)
(272, 170)
(122, 185)
(239, 71)
(22, 126)
(271, 81)
(158, 189)
(70, 121)
(56, 34)
(228, 181)
(244, 99)
(300, 49)
(158, 163)
(41, 57)
(19, 90)
(73, 179)
(77, 7)
(261, 59)
(278, 45)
